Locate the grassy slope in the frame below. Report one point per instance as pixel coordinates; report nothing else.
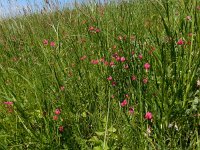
(33, 76)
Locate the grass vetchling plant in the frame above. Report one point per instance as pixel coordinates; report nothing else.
(115, 75)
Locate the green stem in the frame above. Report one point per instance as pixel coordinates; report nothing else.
(106, 128)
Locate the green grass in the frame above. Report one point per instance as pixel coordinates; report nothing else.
(40, 78)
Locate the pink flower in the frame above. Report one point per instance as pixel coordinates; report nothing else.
(52, 44)
(140, 56)
(91, 28)
(147, 66)
(122, 59)
(133, 78)
(106, 63)
(131, 110)
(145, 80)
(115, 55)
(9, 106)
(8, 103)
(61, 128)
(113, 83)
(55, 117)
(45, 42)
(83, 57)
(112, 64)
(97, 30)
(109, 78)
(118, 58)
(148, 116)
(124, 103)
(180, 42)
(95, 62)
(57, 112)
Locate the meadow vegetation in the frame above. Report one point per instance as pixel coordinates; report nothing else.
(112, 76)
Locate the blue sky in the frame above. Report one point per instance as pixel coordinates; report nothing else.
(14, 6)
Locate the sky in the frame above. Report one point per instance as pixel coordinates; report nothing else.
(12, 7)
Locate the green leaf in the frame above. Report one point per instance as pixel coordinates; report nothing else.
(112, 129)
(95, 140)
(100, 133)
(84, 114)
(98, 148)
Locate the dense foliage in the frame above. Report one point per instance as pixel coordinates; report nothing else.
(112, 76)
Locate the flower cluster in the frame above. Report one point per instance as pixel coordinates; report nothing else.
(57, 112)
(46, 42)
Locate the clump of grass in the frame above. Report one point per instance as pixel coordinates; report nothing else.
(119, 75)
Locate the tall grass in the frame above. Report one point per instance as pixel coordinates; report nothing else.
(109, 75)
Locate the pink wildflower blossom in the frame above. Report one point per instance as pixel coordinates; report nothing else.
(148, 116)
(147, 66)
(57, 111)
(180, 42)
(122, 59)
(145, 80)
(91, 28)
(45, 42)
(118, 58)
(109, 78)
(61, 128)
(112, 64)
(106, 63)
(8, 103)
(124, 103)
(133, 78)
(126, 66)
(131, 110)
(97, 30)
(114, 83)
(55, 117)
(95, 62)
(52, 44)
(140, 56)
(127, 96)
